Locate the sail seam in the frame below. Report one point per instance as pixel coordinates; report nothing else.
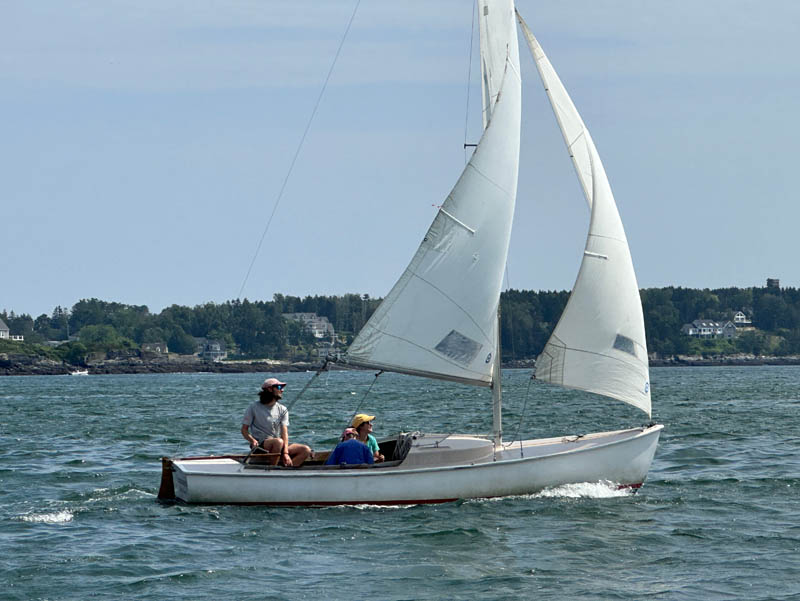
(621, 241)
(577, 137)
(488, 179)
(510, 63)
(460, 308)
(598, 354)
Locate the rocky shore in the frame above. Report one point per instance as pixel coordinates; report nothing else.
(21, 365)
(733, 360)
(12, 365)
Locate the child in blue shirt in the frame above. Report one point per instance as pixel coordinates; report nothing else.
(350, 451)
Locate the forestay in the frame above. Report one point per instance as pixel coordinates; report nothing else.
(440, 318)
(599, 343)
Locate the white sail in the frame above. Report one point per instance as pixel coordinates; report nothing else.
(599, 343)
(440, 318)
(576, 136)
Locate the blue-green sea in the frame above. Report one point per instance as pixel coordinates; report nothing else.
(718, 518)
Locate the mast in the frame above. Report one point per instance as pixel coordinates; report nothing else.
(497, 391)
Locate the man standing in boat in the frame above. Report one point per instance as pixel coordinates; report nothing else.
(266, 424)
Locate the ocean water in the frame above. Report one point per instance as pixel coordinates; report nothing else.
(718, 518)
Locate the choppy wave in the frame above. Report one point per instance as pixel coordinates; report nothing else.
(717, 512)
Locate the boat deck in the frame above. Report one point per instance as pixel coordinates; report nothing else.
(422, 450)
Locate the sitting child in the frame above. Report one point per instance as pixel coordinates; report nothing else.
(350, 451)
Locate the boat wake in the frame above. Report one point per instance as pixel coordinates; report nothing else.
(57, 517)
(369, 506)
(580, 490)
(585, 490)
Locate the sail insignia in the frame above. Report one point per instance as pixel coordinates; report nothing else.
(458, 347)
(625, 344)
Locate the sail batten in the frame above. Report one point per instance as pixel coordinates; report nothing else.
(598, 344)
(440, 318)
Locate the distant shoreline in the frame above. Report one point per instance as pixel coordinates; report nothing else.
(725, 362)
(46, 367)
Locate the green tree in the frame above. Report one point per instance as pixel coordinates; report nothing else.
(74, 353)
(59, 322)
(152, 334)
(42, 326)
(771, 312)
(103, 338)
(752, 342)
(180, 342)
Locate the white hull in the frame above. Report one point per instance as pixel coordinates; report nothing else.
(428, 474)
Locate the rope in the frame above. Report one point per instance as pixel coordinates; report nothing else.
(299, 147)
(308, 384)
(363, 399)
(511, 312)
(521, 417)
(258, 447)
(469, 78)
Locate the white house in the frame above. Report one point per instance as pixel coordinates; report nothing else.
(707, 328)
(4, 331)
(320, 327)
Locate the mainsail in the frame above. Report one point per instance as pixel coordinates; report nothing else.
(599, 343)
(440, 318)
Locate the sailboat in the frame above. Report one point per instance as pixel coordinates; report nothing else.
(598, 345)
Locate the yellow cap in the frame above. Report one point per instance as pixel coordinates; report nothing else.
(360, 419)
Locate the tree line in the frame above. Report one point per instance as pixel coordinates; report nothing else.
(257, 329)
(528, 318)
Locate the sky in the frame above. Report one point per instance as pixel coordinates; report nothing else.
(144, 144)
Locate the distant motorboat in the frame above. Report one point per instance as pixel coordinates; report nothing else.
(79, 372)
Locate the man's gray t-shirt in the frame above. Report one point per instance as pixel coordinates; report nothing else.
(265, 422)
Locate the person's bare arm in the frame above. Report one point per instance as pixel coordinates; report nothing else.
(285, 457)
(248, 437)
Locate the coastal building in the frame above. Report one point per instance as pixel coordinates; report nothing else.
(319, 326)
(4, 331)
(213, 350)
(740, 319)
(742, 322)
(17, 338)
(155, 348)
(707, 328)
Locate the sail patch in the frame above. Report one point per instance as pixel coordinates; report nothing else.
(459, 347)
(625, 344)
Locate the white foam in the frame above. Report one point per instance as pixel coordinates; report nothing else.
(373, 507)
(586, 490)
(590, 490)
(58, 517)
